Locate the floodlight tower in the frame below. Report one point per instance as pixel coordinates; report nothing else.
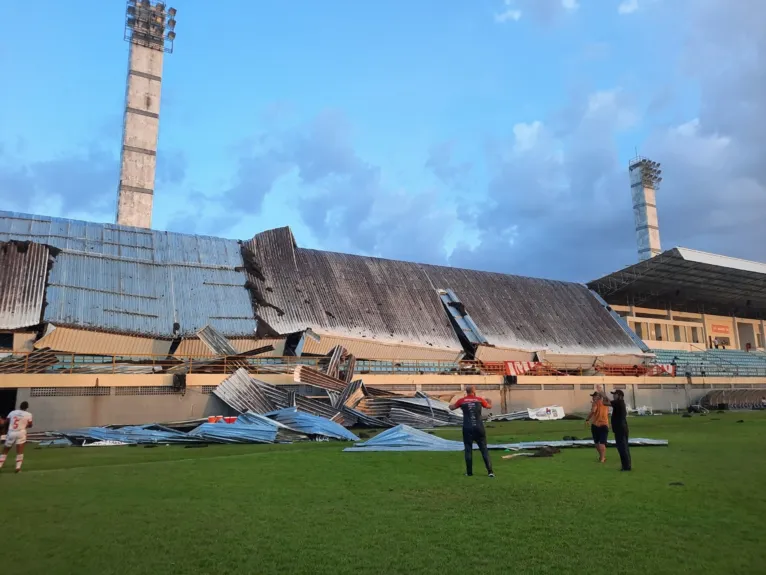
(150, 29)
(644, 182)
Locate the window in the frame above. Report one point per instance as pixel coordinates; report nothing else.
(658, 332)
(638, 329)
(6, 341)
(677, 333)
(695, 335)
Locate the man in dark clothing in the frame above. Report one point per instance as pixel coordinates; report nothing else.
(473, 428)
(620, 427)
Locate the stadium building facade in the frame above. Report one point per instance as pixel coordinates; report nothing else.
(105, 297)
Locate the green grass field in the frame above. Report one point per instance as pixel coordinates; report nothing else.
(312, 509)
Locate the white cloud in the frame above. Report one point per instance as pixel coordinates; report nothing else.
(627, 6)
(508, 15)
(611, 105)
(570, 4)
(526, 136)
(698, 149)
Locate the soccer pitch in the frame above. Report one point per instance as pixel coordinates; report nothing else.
(698, 506)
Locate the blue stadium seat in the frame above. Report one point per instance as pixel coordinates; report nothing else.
(714, 362)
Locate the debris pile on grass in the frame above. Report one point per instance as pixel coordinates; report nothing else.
(405, 438)
(324, 405)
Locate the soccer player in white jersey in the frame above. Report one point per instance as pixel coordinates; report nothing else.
(19, 420)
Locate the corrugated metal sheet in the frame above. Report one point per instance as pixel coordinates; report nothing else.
(348, 296)
(131, 280)
(405, 438)
(193, 347)
(397, 302)
(23, 271)
(370, 349)
(98, 343)
(216, 343)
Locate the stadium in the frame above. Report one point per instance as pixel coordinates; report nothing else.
(113, 324)
(86, 305)
(126, 350)
(101, 323)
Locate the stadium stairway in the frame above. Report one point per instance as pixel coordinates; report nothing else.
(714, 362)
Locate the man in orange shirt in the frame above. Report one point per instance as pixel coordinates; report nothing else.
(599, 424)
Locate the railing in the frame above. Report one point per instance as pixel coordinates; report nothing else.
(41, 361)
(45, 361)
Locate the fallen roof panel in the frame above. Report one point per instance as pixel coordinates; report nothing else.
(311, 424)
(405, 438)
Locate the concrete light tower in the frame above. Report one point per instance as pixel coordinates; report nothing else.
(150, 29)
(644, 182)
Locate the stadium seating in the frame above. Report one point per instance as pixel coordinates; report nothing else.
(715, 362)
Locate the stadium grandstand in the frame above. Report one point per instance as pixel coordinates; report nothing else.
(702, 312)
(96, 318)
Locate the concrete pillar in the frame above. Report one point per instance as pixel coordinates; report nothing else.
(763, 334)
(736, 333)
(704, 331)
(139, 137)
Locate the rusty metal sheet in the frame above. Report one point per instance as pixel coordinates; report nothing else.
(23, 273)
(397, 302)
(244, 393)
(344, 295)
(309, 376)
(240, 392)
(217, 344)
(337, 354)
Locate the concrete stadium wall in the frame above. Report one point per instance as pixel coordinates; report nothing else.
(578, 400)
(67, 401)
(68, 412)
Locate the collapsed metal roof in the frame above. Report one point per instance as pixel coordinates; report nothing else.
(345, 295)
(131, 280)
(164, 285)
(23, 272)
(396, 301)
(689, 280)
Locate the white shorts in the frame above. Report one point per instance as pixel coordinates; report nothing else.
(16, 438)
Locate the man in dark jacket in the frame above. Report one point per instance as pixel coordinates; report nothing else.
(473, 427)
(620, 427)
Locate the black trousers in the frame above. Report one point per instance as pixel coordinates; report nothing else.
(480, 437)
(623, 448)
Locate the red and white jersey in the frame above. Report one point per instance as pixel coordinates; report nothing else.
(18, 421)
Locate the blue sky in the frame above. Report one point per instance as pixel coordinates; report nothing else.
(491, 134)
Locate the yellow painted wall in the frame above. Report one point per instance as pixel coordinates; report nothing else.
(24, 342)
(425, 382)
(13, 380)
(709, 326)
